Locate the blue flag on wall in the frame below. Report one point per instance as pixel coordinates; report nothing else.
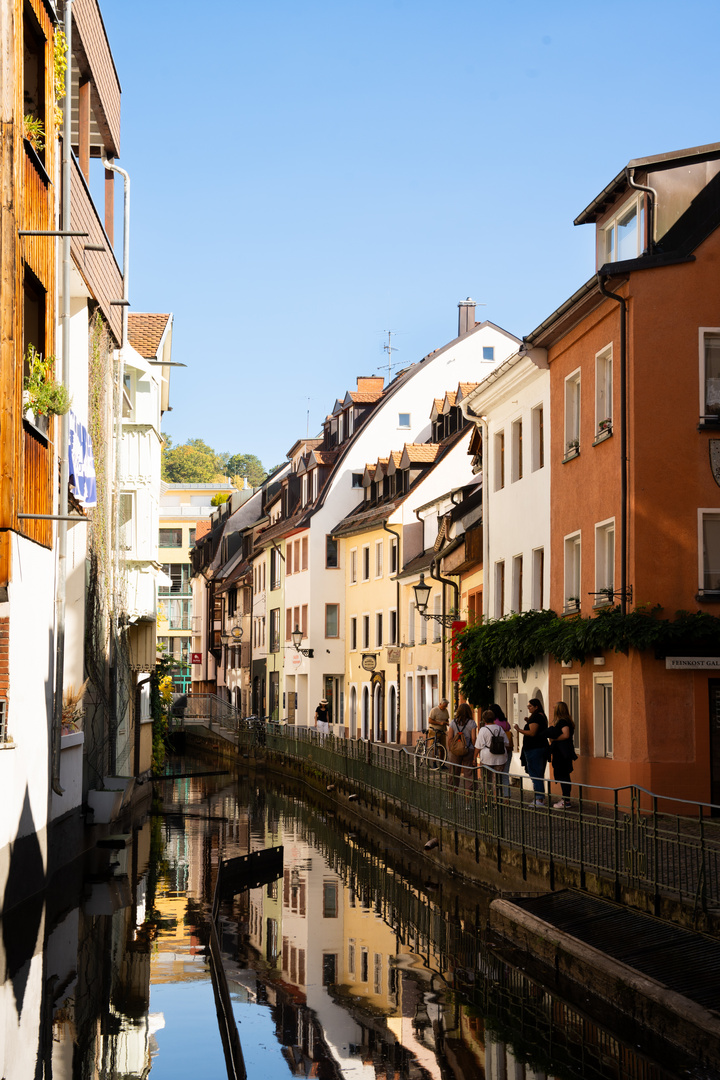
(81, 463)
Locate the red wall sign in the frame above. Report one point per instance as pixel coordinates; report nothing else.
(196, 658)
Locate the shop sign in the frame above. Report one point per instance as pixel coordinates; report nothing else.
(196, 658)
(369, 661)
(393, 655)
(692, 663)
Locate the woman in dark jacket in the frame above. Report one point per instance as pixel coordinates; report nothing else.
(535, 747)
(562, 752)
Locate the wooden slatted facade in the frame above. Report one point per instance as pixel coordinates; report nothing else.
(26, 458)
(97, 65)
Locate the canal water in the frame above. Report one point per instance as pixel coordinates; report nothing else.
(353, 963)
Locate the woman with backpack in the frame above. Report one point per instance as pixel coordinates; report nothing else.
(461, 744)
(562, 752)
(492, 747)
(502, 721)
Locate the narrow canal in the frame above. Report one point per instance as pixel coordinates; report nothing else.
(352, 963)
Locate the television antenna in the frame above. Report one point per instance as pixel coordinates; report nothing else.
(389, 348)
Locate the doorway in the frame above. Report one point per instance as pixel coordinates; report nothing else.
(714, 689)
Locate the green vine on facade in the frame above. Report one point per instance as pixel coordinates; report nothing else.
(60, 68)
(520, 640)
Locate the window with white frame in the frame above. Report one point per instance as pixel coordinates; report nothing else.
(572, 413)
(499, 589)
(603, 715)
(393, 555)
(537, 438)
(709, 538)
(366, 562)
(499, 447)
(315, 474)
(411, 622)
(304, 489)
(366, 632)
(423, 630)
(710, 373)
(437, 625)
(353, 566)
(332, 620)
(127, 520)
(516, 470)
(357, 479)
(378, 629)
(572, 572)
(623, 237)
(404, 420)
(517, 583)
(605, 560)
(571, 697)
(603, 391)
(538, 578)
(488, 352)
(353, 633)
(393, 627)
(378, 558)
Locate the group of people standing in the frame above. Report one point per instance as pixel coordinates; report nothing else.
(469, 745)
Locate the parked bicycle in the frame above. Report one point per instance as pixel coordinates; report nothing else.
(431, 751)
(258, 726)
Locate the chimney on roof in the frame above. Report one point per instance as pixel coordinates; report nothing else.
(370, 384)
(466, 316)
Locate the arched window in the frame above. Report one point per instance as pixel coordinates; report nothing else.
(353, 713)
(365, 713)
(391, 714)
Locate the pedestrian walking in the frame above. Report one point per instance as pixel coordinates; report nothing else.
(322, 717)
(562, 752)
(504, 723)
(535, 747)
(461, 737)
(491, 747)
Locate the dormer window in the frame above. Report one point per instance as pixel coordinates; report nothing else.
(623, 237)
(314, 484)
(304, 490)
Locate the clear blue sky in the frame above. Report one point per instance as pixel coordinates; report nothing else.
(307, 174)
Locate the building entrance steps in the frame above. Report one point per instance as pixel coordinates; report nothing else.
(663, 976)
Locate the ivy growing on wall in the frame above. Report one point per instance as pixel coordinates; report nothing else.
(520, 640)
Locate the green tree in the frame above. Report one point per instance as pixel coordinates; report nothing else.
(193, 462)
(248, 466)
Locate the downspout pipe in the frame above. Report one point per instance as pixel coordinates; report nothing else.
(651, 204)
(623, 440)
(118, 419)
(435, 573)
(62, 526)
(392, 532)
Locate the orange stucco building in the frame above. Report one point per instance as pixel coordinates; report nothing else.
(649, 533)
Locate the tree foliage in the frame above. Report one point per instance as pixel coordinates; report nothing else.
(520, 640)
(247, 466)
(193, 462)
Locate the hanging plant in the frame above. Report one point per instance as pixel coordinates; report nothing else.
(521, 640)
(60, 51)
(43, 395)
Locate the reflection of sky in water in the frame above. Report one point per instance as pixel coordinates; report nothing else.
(189, 1043)
(261, 1050)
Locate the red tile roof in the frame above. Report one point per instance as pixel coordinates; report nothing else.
(145, 332)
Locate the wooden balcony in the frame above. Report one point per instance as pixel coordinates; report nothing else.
(99, 269)
(94, 63)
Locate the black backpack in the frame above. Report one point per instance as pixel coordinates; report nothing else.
(497, 743)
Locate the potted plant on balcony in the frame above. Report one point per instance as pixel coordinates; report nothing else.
(572, 603)
(573, 447)
(42, 395)
(72, 708)
(605, 425)
(34, 132)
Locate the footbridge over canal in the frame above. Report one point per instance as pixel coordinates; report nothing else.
(627, 844)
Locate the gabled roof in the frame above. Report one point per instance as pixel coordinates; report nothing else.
(361, 397)
(465, 388)
(362, 520)
(449, 400)
(436, 408)
(322, 457)
(610, 192)
(419, 454)
(394, 461)
(145, 332)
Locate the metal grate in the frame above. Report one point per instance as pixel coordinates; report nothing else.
(3, 720)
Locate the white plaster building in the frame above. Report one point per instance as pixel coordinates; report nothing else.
(400, 415)
(512, 408)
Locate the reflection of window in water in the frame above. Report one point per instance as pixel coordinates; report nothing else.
(363, 965)
(351, 958)
(272, 940)
(329, 969)
(272, 890)
(377, 981)
(330, 900)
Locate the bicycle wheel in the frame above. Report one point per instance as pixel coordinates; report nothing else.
(438, 756)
